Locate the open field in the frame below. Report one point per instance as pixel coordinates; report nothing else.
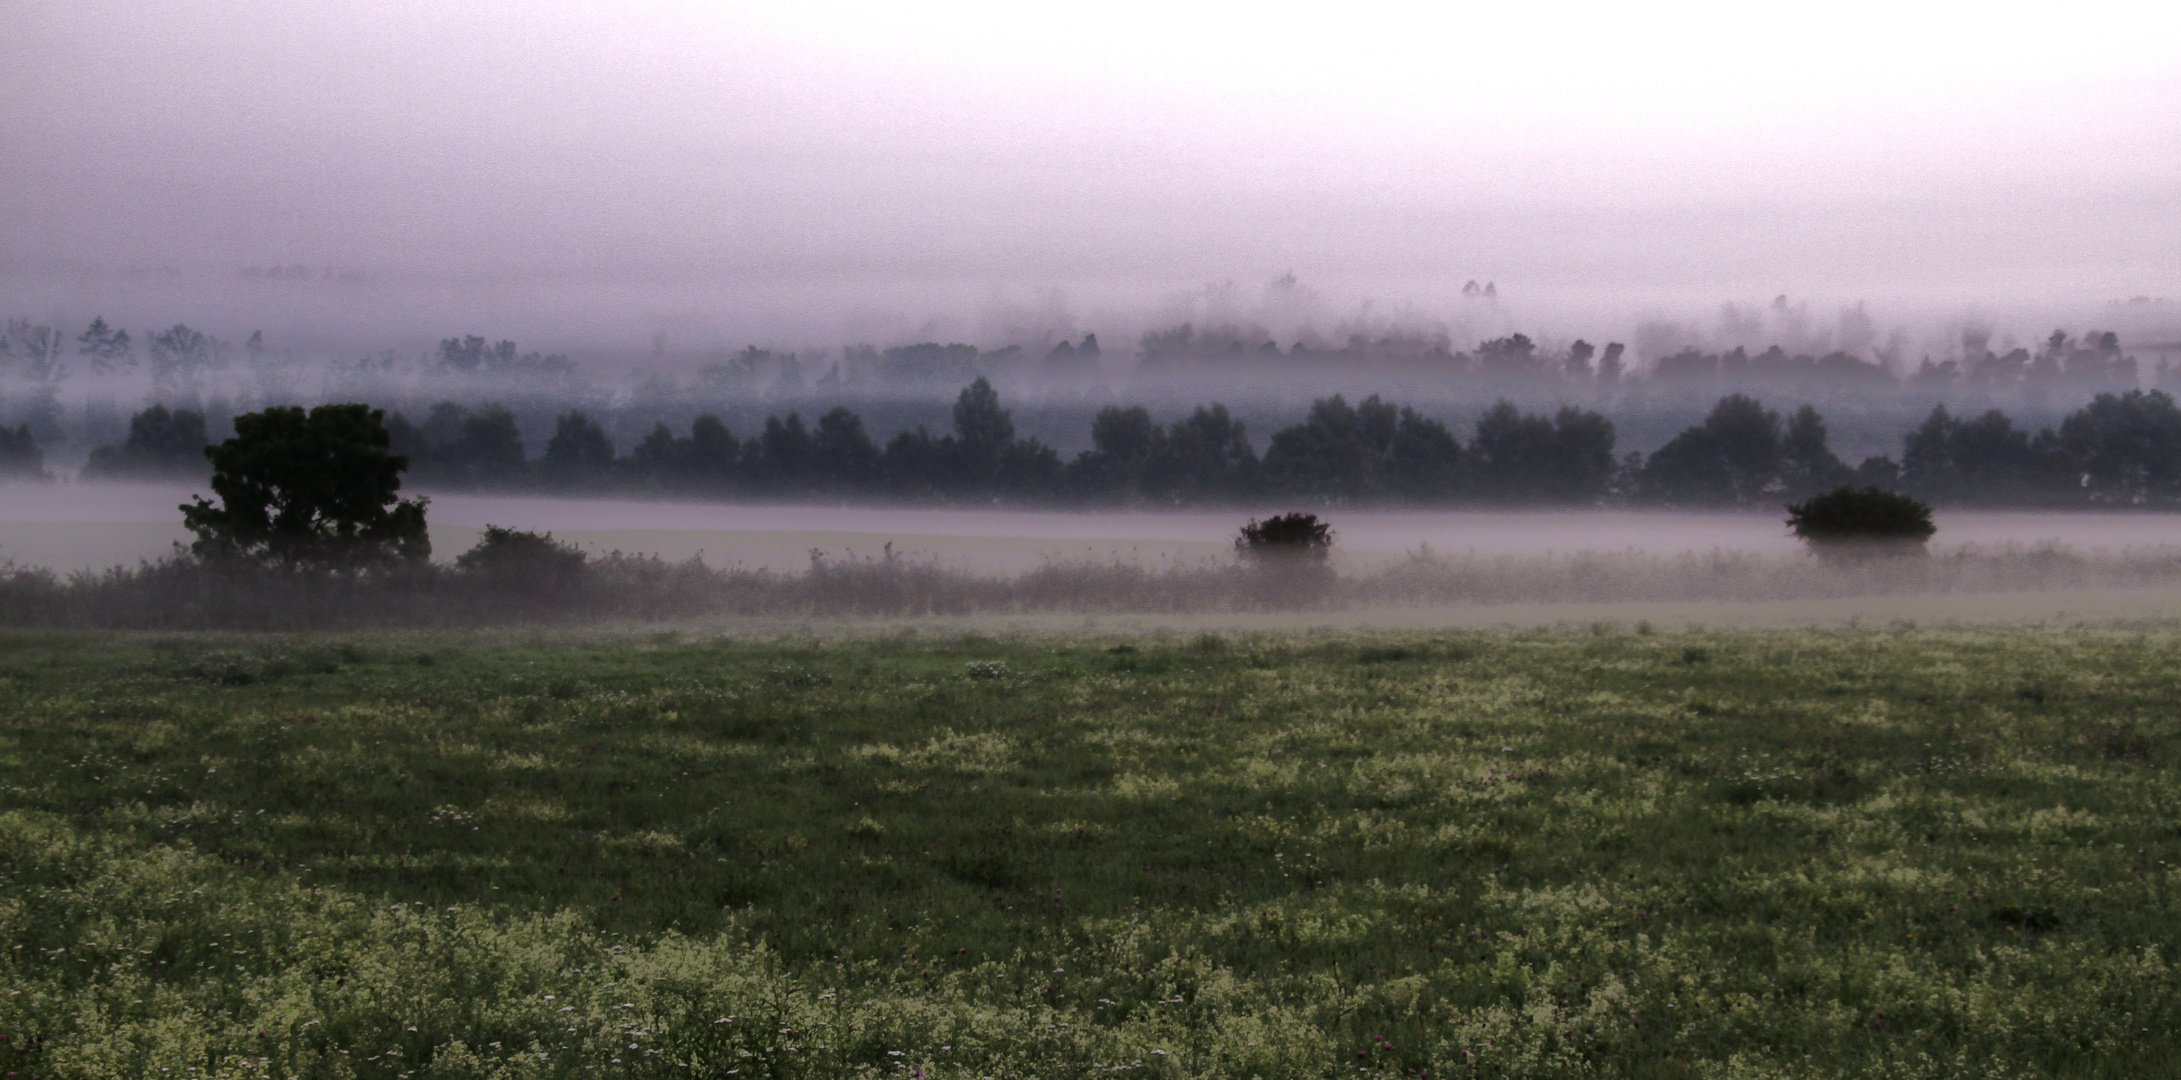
(1594, 852)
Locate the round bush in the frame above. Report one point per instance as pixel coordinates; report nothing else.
(1297, 536)
(1862, 520)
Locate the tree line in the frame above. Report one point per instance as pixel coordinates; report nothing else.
(2121, 449)
(182, 361)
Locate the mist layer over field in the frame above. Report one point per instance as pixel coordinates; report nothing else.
(88, 526)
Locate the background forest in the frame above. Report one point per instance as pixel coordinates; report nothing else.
(1232, 417)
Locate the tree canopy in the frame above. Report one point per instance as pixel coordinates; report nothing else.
(309, 491)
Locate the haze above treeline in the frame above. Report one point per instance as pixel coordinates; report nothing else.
(661, 181)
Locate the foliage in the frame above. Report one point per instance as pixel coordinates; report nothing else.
(308, 491)
(1731, 459)
(1911, 854)
(108, 347)
(1286, 537)
(2128, 447)
(578, 454)
(523, 562)
(1983, 458)
(20, 457)
(1866, 518)
(160, 444)
(2118, 450)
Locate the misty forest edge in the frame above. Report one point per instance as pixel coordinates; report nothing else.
(2120, 449)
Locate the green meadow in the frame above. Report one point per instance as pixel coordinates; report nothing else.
(1597, 851)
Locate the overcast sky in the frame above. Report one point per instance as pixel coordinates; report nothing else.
(829, 159)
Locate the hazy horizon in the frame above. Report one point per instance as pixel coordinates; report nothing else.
(674, 176)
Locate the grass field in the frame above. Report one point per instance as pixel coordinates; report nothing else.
(1596, 852)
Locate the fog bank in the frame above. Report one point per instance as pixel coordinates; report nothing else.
(602, 178)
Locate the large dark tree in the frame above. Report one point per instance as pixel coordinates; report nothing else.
(312, 491)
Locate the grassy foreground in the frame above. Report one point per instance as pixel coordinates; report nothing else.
(1571, 853)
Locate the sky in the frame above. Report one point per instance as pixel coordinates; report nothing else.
(610, 172)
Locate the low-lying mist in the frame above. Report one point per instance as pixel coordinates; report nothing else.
(568, 586)
(74, 527)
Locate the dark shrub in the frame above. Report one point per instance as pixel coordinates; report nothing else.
(1856, 522)
(1289, 554)
(1294, 537)
(525, 562)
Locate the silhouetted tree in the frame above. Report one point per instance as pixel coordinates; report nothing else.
(308, 491)
(1518, 458)
(778, 462)
(1029, 468)
(713, 454)
(1609, 365)
(914, 463)
(842, 455)
(1984, 460)
(1577, 367)
(180, 357)
(981, 431)
(160, 444)
(1732, 459)
(107, 347)
(1125, 443)
(1513, 454)
(1424, 460)
(1807, 465)
(1510, 357)
(20, 458)
(1206, 457)
(579, 453)
(489, 450)
(656, 458)
(1336, 454)
(2127, 447)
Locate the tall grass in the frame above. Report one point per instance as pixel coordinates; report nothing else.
(182, 593)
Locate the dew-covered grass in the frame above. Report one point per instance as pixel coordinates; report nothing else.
(1602, 851)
